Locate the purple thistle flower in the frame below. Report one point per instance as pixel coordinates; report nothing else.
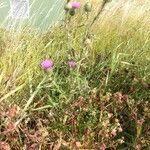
(72, 64)
(75, 5)
(47, 64)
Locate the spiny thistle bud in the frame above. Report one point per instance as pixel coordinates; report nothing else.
(72, 12)
(88, 7)
(67, 7)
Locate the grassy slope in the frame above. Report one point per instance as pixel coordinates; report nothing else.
(72, 105)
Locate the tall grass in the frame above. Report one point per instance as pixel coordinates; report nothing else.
(79, 108)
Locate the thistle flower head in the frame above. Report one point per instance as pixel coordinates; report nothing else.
(75, 5)
(72, 64)
(47, 64)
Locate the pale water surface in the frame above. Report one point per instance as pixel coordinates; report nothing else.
(42, 14)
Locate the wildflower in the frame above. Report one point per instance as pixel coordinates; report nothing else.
(9, 128)
(138, 147)
(113, 132)
(72, 64)
(78, 144)
(4, 146)
(102, 146)
(47, 64)
(13, 111)
(75, 5)
(32, 146)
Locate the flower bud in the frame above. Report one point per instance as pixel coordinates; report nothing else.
(88, 7)
(67, 7)
(72, 64)
(72, 12)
